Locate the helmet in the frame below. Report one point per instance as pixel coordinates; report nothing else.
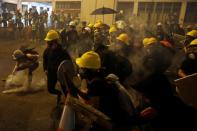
(189, 27)
(192, 33)
(99, 21)
(123, 37)
(88, 29)
(17, 54)
(145, 41)
(89, 60)
(120, 24)
(112, 29)
(52, 35)
(193, 43)
(90, 25)
(159, 24)
(151, 40)
(72, 23)
(97, 25)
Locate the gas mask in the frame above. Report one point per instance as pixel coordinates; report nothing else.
(87, 73)
(191, 52)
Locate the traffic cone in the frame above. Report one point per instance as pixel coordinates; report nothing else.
(67, 121)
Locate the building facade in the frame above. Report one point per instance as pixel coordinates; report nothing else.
(156, 10)
(149, 10)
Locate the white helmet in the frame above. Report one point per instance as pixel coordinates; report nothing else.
(120, 24)
(88, 29)
(72, 23)
(159, 24)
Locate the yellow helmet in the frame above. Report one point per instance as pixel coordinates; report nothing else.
(193, 43)
(89, 60)
(112, 29)
(192, 33)
(151, 40)
(99, 21)
(145, 41)
(51, 35)
(90, 25)
(123, 37)
(97, 25)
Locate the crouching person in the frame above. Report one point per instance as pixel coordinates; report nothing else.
(26, 59)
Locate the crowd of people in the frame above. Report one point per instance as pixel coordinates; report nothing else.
(139, 57)
(31, 24)
(139, 62)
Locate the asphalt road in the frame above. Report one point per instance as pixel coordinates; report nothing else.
(31, 111)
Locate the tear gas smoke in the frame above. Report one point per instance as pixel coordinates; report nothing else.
(18, 83)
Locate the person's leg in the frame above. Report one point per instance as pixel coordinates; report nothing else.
(51, 82)
(30, 73)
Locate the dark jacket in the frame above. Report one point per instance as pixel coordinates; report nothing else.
(116, 64)
(189, 66)
(109, 103)
(72, 37)
(172, 113)
(52, 58)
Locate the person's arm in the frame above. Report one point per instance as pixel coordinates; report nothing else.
(32, 56)
(45, 60)
(66, 55)
(15, 69)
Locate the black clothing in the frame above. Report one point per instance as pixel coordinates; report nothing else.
(114, 63)
(109, 101)
(25, 62)
(122, 48)
(172, 113)
(51, 62)
(189, 66)
(52, 58)
(157, 58)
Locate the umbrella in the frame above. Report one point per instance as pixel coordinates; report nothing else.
(103, 11)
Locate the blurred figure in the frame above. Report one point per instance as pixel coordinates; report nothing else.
(112, 34)
(34, 29)
(189, 65)
(86, 41)
(122, 45)
(61, 19)
(4, 18)
(18, 17)
(11, 29)
(160, 32)
(30, 16)
(120, 15)
(26, 59)
(157, 56)
(26, 18)
(52, 19)
(72, 34)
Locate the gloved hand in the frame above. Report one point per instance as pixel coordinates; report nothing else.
(112, 78)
